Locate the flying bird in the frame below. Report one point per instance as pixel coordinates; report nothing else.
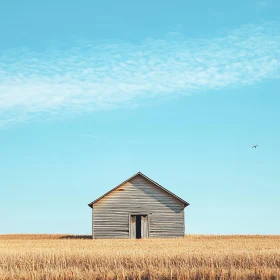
(255, 146)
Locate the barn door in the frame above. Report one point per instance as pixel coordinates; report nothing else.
(132, 226)
(144, 226)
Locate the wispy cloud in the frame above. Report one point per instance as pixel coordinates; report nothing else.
(94, 136)
(92, 76)
(262, 4)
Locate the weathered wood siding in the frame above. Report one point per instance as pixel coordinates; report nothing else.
(111, 214)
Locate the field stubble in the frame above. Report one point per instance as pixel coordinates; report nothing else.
(194, 257)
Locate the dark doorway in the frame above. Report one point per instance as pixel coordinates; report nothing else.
(138, 226)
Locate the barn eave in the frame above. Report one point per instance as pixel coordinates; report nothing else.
(144, 176)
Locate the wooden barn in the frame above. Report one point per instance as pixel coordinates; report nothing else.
(138, 208)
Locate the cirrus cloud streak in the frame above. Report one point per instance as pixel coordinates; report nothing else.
(99, 76)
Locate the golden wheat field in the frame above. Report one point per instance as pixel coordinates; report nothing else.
(193, 257)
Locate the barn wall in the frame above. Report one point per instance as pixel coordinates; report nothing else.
(138, 196)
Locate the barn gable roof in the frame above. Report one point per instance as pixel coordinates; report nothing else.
(144, 176)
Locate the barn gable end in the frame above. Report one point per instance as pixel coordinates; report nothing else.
(115, 213)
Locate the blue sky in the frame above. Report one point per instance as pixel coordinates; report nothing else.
(91, 93)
